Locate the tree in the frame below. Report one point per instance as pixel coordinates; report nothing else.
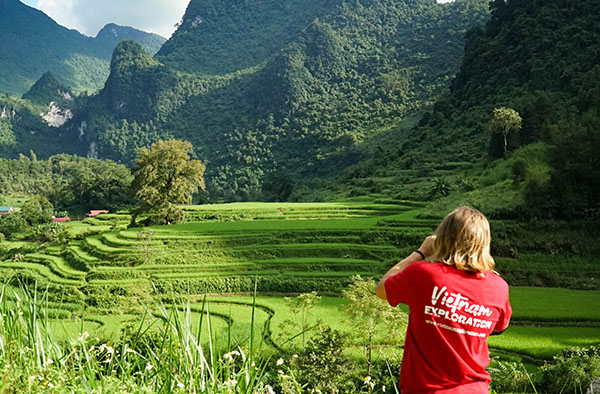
(372, 316)
(165, 176)
(505, 121)
(302, 305)
(37, 210)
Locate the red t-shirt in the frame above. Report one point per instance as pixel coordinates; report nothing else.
(452, 313)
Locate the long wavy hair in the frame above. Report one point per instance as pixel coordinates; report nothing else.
(463, 241)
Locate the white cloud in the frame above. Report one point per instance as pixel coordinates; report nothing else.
(89, 16)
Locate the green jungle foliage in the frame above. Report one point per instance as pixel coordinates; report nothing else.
(30, 37)
(68, 181)
(296, 113)
(535, 58)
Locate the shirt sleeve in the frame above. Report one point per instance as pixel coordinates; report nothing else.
(399, 289)
(504, 317)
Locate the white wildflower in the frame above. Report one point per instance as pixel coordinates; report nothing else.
(280, 361)
(149, 366)
(85, 335)
(180, 385)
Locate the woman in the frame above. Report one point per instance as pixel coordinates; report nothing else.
(456, 301)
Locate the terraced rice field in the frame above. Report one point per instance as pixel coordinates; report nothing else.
(110, 277)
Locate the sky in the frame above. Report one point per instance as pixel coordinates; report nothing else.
(89, 16)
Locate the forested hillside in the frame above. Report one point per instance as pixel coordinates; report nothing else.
(295, 106)
(540, 59)
(32, 44)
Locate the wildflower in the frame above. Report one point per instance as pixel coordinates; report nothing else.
(32, 378)
(253, 364)
(231, 382)
(48, 362)
(367, 379)
(295, 356)
(383, 388)
(180, 385)
(85, 335)
(149, 366)
(228, 357)
(49, 384)
(129, 350)
(280, 372)
(270, 390)
(280, 361)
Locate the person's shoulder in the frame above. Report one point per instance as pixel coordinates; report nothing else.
(421, 266)
(497, 280)
(426, 268)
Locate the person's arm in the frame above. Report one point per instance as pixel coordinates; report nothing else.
(426, 248)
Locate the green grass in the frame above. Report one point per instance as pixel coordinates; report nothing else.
(538, 303)
(544, 342)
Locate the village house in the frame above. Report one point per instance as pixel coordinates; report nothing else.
(60, 220)
(95, 212)
(6, 209)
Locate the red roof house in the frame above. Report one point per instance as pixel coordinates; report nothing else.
(95, 212)
(61, 220)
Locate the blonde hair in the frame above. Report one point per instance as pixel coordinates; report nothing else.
(463, 241)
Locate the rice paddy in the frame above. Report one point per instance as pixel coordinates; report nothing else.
(110, 275)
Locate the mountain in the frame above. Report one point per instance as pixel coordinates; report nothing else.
(259, 92)
(217, 37)
(46, 90)
(540, 59)
(32, 44)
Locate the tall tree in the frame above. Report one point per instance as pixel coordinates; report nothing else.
(505, 121)
(166, 175)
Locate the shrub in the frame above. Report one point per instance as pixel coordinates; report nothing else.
(572, 370)
(509, 377)
(323, 364)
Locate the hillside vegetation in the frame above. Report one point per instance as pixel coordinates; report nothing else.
(350, 70)
(536, 58)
